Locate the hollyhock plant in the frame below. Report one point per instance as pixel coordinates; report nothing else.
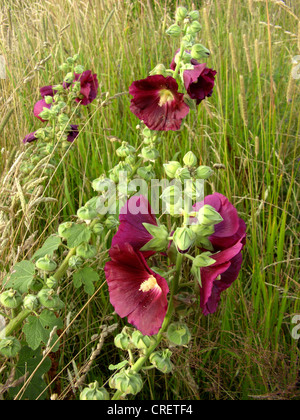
(133, 214)
(157, 102)
(135, 291)
(231, 229)
(218, 277)
(72, 134)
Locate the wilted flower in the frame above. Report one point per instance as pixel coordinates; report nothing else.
(30, 137)
(157, 102)
(218, 277)
(135, 290)
(199, 82)
(88, 87)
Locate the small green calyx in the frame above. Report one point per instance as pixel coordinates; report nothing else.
(9, 347)
(94, 393)
(161, 360)
(127, 381)
(179, 334)
(160, 240)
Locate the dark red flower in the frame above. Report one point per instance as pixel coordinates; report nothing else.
(135, 290)
(157, 102)
(218, 277)
(231, 229)
(38, 108)
(133, 214)
(88, 87)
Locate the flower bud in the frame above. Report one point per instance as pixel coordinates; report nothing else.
(179, 334)
(51, 282)
(172, 195)
(182, 174)
(31, 302)
(149, 153)
(86, 251)
(184, 238)
(130, 160)
(86, 213)
(63, 119)
(94, 393)
(198, 52)
(190, 159)
(171, 168)
(203, 260)
(146, 172)
(127, 382)
(181, 13)
(9, 346)
(46, 114)
(203, 172)
(122, 341)
(11, 299)
(64, 67)
(140, 341)
(161, 360)
(194, 15)
(50, 299)
(69, 77)
(194, 28)
(188, 40)
(174, 31)
(64, 229)
(48, 100)
(159, 69)
(79, 69)
(98, 228)
(207, 215)
(102, 184)
(75, 261)
(125, 150)
(46, 264)
(160, 240)
(111, 222)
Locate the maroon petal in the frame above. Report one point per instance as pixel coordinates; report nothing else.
(128, 277)
(88, 87)
(157, 102)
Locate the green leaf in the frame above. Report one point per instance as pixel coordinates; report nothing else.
(51, 244)
(118, 366)
(77, 235)
(86, 276)
(22, 276)
(28, 361)
(38, 328)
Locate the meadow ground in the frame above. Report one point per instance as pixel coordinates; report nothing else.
(250, 126)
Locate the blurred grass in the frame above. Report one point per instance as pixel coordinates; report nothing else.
(250, 125)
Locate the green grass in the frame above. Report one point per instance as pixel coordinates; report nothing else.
(245, 350)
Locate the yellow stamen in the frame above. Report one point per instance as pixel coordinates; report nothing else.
(165, 96)
(149, 284)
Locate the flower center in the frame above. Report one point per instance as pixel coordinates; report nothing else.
(165, 96)
(149, 284)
